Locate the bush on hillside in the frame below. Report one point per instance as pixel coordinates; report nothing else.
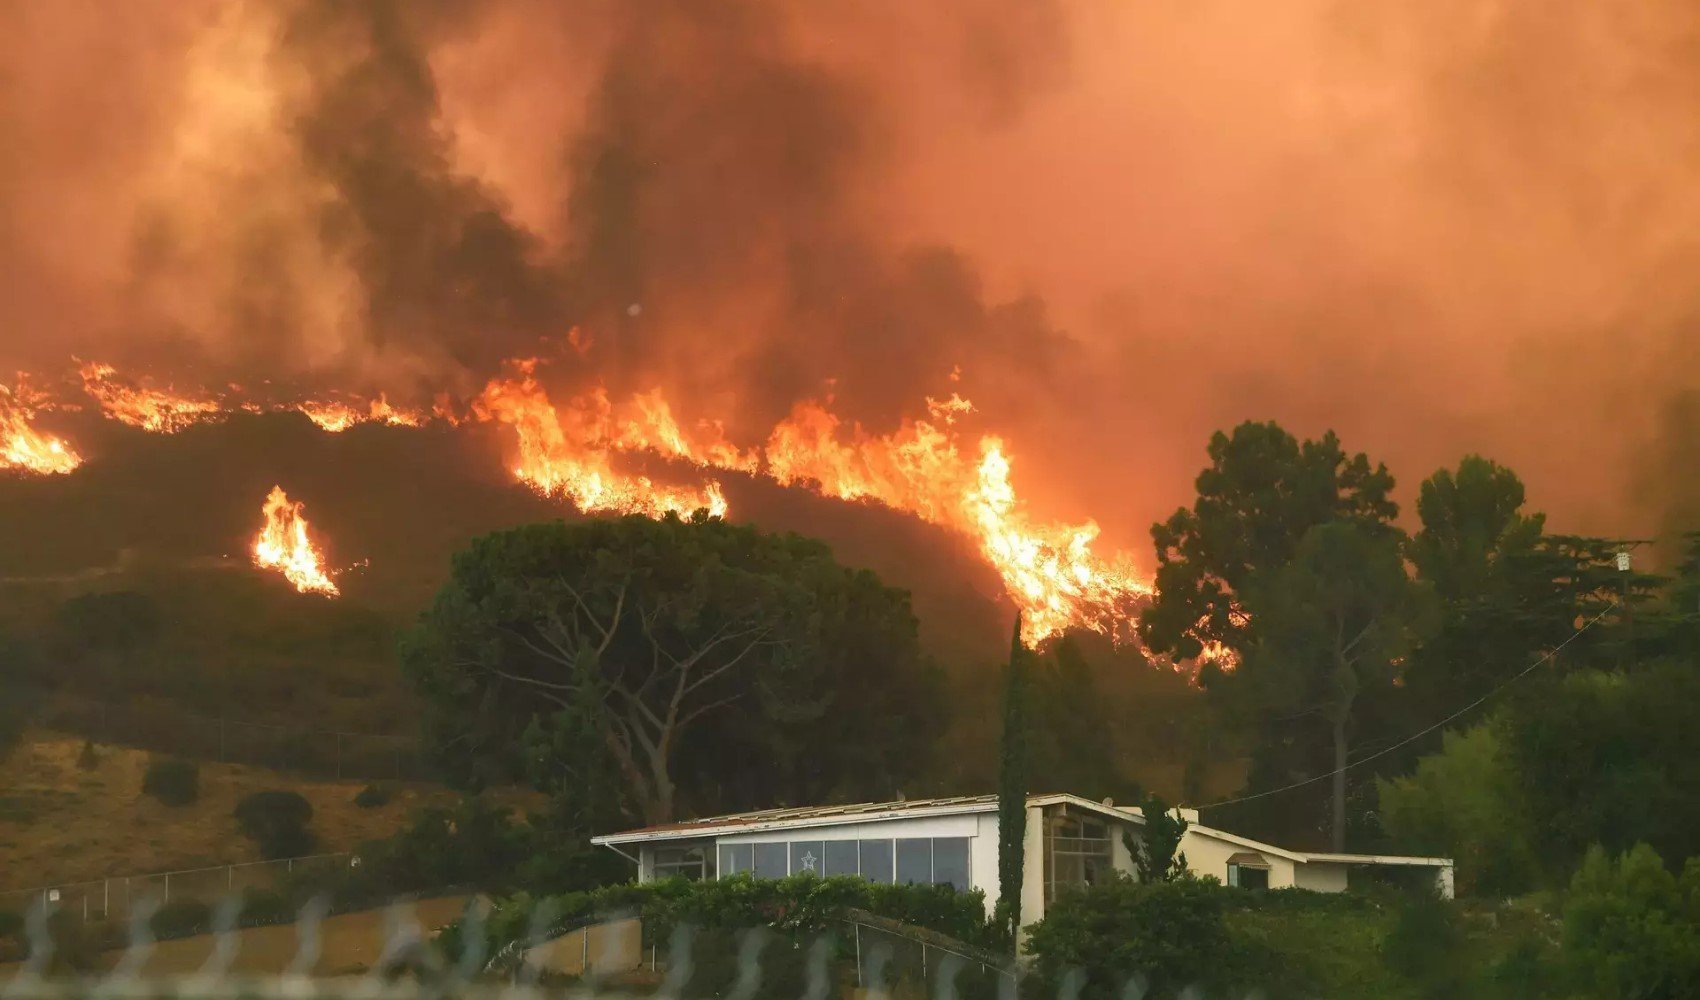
(372, 796)
(277, 820)
(173, 782)
(1169, 935)
(261, 907)
(181, 918)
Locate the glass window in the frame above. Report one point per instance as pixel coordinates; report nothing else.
(876, 860)
(841, 858)
(915, 860)
(682, 862)
(770, 861)
(1247, 877)
(1077, 852)
(807, 857)
(950, 861)
(735, 858)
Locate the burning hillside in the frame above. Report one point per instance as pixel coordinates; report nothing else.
(929, 468)
(24, 448)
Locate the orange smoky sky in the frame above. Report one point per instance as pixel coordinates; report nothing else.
(1439, 228)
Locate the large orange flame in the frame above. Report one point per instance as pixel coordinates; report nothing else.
(568, 454)
(1049, 570)
(24, 448)
(159, 410)
(283, 545)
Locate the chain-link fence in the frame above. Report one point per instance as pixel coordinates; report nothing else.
(321, 753)
(116, 899)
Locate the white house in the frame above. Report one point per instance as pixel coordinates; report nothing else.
(1070, 841)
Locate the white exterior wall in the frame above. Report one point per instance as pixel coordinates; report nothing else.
(983, 858)
(1033, 868)
(1206, 855)
(1320, 876)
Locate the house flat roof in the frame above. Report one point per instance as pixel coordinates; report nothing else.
(807, 817)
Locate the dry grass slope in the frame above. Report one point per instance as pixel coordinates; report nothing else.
(62, 823)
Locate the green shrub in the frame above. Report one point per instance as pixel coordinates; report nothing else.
(799, 909)
(1424, 945)
(181, 918)
(1173, 935)
(277, 820)
(1631, 928)
(173, 782)
(11, 924)
(372, 796)
(1465, 803)
(265, 906)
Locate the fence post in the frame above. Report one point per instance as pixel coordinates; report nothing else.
(168, 888)
(858, 930)
(229, 878)
(106, 898)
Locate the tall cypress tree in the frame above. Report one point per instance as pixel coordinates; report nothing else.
(1012, 789)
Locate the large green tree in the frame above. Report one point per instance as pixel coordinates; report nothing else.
(674, 647)
(1262, 492)
(1493, 574)
(1333, 624)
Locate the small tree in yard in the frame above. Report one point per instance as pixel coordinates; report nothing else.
(1012, 790)
(1156, 855)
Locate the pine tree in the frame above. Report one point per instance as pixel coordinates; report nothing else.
(1012, 790)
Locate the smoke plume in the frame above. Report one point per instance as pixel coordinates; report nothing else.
(1449, 227)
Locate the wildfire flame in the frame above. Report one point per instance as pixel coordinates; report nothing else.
(568, 455)
(158, 410)
(336, 416)
(1049, 570)
(24, 448)
(284, 545)
(927, 467)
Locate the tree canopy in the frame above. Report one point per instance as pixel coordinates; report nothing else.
(1262, 492)
(674, 650)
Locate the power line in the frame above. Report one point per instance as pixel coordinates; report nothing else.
(1424, 732)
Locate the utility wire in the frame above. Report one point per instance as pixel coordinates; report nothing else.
(1424, 732)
